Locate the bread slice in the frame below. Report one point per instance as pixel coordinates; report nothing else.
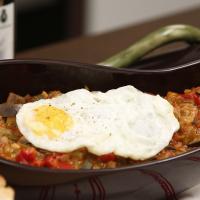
(6, 193)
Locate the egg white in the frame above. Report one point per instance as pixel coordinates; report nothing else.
(124, 121)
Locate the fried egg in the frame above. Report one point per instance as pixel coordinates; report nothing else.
(124, 121)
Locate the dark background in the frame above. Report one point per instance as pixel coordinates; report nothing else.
(47, 23)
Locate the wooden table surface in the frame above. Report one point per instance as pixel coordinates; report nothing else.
(91, 49)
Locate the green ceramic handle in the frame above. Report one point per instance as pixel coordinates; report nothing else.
(158, 38)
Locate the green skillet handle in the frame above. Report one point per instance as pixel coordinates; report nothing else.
(158, 38)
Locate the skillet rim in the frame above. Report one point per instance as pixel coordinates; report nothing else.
(98, 67)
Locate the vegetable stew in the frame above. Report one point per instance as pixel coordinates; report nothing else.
(13, 146)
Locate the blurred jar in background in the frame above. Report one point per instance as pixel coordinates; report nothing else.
(6, 29)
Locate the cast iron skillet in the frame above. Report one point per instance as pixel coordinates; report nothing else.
(34, 76)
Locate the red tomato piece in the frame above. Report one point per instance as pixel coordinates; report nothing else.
(197, 100)
(54, 162)
(38, 163)
(192, 96)
(108, 157)
(26, 156)
(64, 165)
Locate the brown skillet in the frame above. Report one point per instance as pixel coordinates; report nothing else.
(33, 76)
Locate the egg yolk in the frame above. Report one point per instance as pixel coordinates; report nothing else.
(53, 120)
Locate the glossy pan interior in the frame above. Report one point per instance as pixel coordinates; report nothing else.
(26, 76)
